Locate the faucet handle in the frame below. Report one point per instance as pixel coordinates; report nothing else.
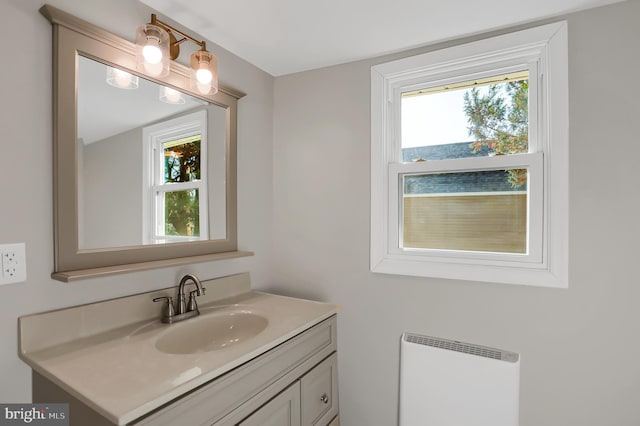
(192, 305)
(168, 311)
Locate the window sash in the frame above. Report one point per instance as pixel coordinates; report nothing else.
(486, 70)
(533, 162)
(159, 234)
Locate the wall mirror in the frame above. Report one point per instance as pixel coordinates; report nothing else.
(144, 168)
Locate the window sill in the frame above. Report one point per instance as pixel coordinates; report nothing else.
(539, 275)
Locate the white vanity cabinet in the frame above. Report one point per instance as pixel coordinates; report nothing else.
(294, 383)
(310, 401)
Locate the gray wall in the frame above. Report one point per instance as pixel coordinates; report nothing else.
(579, 346)
(111, 194)
(26, 189)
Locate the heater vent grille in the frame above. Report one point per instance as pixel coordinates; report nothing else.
(466, 348)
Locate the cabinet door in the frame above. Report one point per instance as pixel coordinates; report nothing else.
(283, 410)
(319, 392)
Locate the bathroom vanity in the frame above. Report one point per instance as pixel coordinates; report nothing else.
(249, 358)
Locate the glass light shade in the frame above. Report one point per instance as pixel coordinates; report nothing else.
(121, 79)
(204, 72)
(171, 96)
(152, 50)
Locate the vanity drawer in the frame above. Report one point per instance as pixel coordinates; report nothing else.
(319, 393)
(283, 410)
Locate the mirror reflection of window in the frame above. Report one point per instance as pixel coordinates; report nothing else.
(175, 194)
(181, 209)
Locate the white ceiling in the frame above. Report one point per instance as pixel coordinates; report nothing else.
(287, 36)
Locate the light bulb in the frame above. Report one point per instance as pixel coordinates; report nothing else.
(171, 96)
(204, 76)
(153, 69)
(204, 88)
(152, 54)
(152, 50)
(204, 72)
(122, 78)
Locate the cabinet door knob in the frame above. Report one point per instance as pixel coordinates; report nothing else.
(324, 398)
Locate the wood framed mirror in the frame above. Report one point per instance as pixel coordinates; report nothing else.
(144, 168)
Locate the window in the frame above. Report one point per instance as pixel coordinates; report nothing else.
(175, 195)
(469, 161)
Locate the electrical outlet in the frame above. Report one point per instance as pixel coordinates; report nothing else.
(13, 262)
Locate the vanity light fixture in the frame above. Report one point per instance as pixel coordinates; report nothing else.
(157, 43)
(171, 96)
(121, 79)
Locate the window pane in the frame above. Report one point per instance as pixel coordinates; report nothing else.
(469, 119)
(182, 160)
(181, 213)
(471, 211)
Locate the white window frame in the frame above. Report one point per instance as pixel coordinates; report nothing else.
(153, 175)
(543, 52)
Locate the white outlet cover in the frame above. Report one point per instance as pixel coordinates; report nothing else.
(13, 262)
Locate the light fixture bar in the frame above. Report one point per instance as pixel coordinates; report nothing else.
(174, 50)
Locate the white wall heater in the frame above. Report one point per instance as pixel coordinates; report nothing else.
(449, 383)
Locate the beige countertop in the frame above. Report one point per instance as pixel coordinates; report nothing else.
(119, 372)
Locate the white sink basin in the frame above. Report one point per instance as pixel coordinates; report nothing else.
(211, 332)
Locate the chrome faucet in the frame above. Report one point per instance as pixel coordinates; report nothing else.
(182, 309)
